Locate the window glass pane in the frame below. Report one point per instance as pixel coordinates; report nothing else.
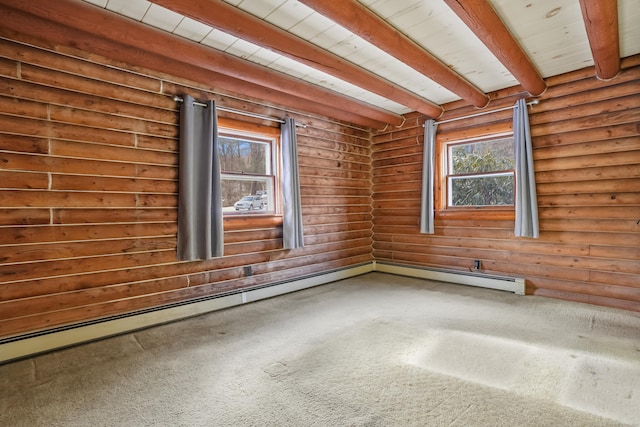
(496, 190)
(239, 155)
(247, 195)
(483, 156)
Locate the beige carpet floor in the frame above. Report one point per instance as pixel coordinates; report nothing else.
(375, 350)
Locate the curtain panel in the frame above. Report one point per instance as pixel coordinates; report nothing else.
(292, 232)
(200, 226)
(428, 164)
(526, 224)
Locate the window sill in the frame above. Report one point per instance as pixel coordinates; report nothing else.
(481, 212)
(251, 221)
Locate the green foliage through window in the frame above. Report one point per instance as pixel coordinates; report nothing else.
(481, 173)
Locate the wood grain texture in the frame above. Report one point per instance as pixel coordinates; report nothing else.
(586, 148)
(485, 23)
(88, 193)
(245, 26)
(366, 24)
(82, 25)
(601, 22)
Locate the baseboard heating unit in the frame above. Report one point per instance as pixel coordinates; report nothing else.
(13, 348)
(30, 344)
(510, 284)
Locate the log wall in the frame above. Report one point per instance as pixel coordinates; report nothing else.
(88, 193)
(88, 199)
(586, 141)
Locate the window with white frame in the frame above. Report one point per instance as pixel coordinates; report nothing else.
(480, 172)
(249, 166)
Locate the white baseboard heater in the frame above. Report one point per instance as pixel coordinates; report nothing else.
(65, 336)
(502, 283)
(13, 348)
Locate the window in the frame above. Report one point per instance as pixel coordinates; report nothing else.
(248, 161)
(479, 172)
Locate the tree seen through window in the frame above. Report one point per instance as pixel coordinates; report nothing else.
(481, 173)
(247, 178)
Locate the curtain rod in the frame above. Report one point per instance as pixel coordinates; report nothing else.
(232, 110)
(482, 113)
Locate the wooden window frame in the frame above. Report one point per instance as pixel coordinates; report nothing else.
(442, 210)
(256, 220)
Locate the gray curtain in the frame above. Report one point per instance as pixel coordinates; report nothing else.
(526, 199)
(200, 227)
(428, 164)
(292, 233)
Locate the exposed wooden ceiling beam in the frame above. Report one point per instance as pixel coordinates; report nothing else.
(366, 24)
(601, 21)
(144, 39)
(243, 25)
(480, 17)
(56, 34)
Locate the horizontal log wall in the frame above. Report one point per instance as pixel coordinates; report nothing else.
(88, 193)
(586, 139)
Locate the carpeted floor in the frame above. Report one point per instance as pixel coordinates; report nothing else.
(375, 350)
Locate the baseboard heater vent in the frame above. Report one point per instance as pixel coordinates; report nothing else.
(17, 347)
(511, 284)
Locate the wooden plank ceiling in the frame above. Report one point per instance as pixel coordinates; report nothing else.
(368, 61)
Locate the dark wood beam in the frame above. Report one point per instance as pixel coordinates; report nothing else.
(601, 21)
(145, 41)
(483, 20)
(243, 25)
(366, 24)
